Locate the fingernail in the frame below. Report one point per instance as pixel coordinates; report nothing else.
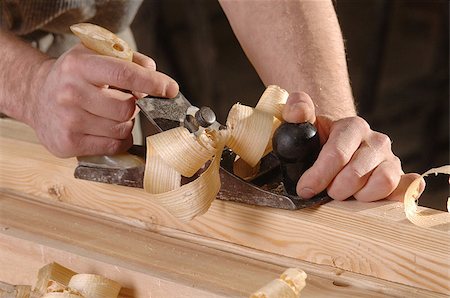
(293, 109)
(306, 193)
(294, 98)
(172, 89)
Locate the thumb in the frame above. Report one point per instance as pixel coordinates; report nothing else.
(299, 108)
(405, 181)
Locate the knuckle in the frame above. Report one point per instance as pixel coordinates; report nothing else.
(123, 74)
(151, 63)
(339, 155)
(114, 146)
(396, 160)
(382, 140)
(126, 111)
(123, 130)
(360, 123)
(69, 94)
(69, 62)
(389, 180)
(351, 125)
(353, 172)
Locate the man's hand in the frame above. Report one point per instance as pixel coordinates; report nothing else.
(354, 160)
(75, 113)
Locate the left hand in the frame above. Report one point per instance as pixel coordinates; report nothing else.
(354, 160)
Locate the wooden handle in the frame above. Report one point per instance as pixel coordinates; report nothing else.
(102, 41)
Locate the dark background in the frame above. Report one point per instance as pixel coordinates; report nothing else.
(397, 53)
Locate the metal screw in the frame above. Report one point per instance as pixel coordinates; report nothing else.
(205, 117)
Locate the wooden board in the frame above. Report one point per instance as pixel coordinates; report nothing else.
(373, 239)
(14, 291)
(33, 234)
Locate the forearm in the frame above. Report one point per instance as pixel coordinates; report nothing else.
(297, 45)
(19, 62)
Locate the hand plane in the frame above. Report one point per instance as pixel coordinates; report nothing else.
(296, 146)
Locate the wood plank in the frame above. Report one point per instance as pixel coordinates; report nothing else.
(13, 129)
(33, 234)
(372, 239)
(14, 291)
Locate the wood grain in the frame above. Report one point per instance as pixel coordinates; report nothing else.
(373, 239)
(148, 264)
(14, 291)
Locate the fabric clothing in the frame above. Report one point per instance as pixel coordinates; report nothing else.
(24, 17)
(33, 20)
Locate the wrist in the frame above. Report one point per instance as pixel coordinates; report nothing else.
(31, 101)
(335, 101)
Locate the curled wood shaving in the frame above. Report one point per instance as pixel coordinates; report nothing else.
(182, 150)
(55, 280)
(177, 151)
(412, 195)
(94, 286)
(84, 285)
(251, 131)
(272, 101)
(194, 198)
(252, 128)
(275, 124)
(159, 176)
(288, 285)
(57, 287)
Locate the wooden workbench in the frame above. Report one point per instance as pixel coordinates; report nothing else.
(348, 248)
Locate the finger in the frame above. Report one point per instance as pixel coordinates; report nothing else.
(95, 145)
(102, 70)
(382, 182)
(144, 61)
(373, 151)
(405, 181)
(139, 95)
(345, 138)
(355, 174)
(299, 108)
(109, 103)
(97, 126)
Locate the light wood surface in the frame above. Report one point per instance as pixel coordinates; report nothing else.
(373, 239)
(33, 234)
(14, 291)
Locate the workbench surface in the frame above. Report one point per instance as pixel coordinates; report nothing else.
(347, 248)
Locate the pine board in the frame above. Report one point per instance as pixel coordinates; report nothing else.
(372, 239)
(145, 263)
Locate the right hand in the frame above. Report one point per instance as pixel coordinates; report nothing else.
(354, 160)
(75, 113)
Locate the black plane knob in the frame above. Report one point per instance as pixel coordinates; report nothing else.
(297, 146)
